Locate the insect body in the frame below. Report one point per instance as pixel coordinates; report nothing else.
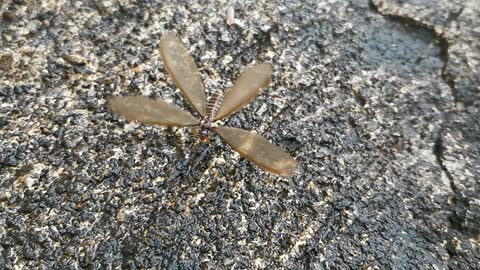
(230, 14)
(184, 72)
(212, 109)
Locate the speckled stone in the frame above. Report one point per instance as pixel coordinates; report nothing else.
(378, 101)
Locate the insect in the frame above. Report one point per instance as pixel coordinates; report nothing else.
(184, 72)
(230, 15)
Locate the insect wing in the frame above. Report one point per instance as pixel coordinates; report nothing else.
(259, 150)
(183, 70)
(150, 111)
(247, 86)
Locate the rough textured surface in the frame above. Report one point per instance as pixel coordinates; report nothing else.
(378, 101)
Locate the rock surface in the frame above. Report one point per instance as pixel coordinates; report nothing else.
(378, 101)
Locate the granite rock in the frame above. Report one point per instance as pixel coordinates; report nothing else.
(377, 100)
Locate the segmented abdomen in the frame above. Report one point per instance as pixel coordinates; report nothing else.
(213, 105)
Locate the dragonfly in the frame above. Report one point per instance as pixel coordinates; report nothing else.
(182, 69)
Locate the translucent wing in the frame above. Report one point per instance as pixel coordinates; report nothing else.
(183, 70)
(245, 89)
(257, 149)
(150, 111)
